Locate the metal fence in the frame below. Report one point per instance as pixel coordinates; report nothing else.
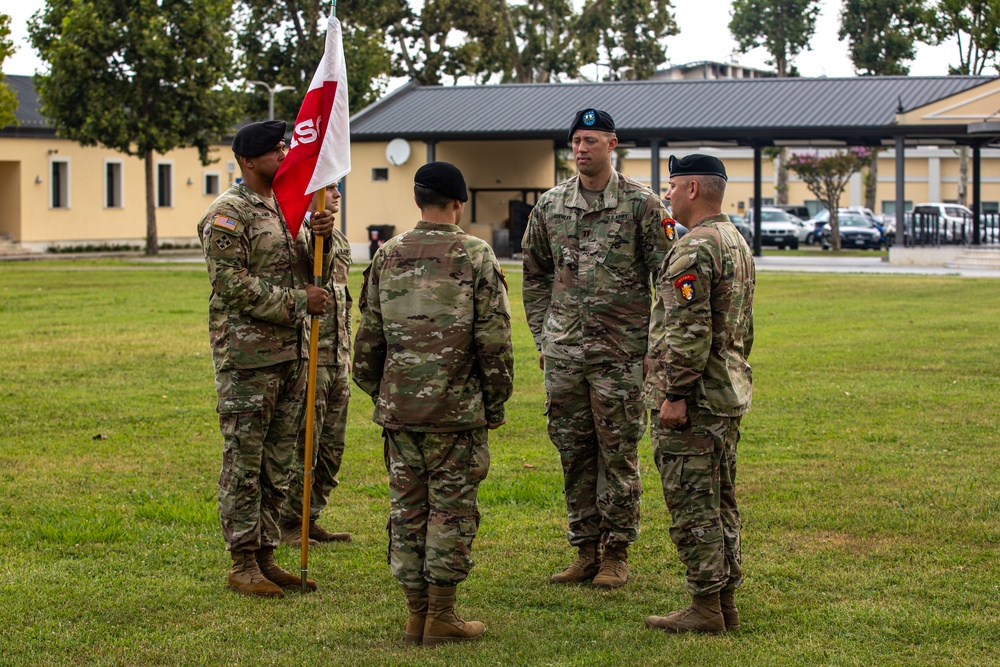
(931, 229)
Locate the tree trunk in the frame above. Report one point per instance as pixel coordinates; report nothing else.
(152, 244)
(834, 224)
(781, 187)
(963, 175)
(871, 181)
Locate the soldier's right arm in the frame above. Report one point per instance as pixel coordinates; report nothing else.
(227, 249)
(539, 274)
(370, 346)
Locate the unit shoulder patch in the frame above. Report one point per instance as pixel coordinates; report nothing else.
(685, 285)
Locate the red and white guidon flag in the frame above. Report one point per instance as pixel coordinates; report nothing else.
(320, 153)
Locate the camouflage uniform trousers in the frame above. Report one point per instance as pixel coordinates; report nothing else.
(433, 517)
(333, 393)
(260, 410)
(698, 470)
(596, 418)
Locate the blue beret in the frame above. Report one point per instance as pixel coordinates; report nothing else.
(443, 177)
(697, 165)
(258, 138)
(591, 119)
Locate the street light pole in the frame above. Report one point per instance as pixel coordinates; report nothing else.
(271, 90)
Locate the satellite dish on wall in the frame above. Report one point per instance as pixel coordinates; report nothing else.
(397, 152)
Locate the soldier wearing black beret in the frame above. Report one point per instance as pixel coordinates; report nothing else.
(443, 178)
(699, 385)
(261, 297)
(592, 247)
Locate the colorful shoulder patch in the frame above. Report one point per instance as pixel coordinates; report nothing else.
(670, 228)
(222, 222)
(686, 285)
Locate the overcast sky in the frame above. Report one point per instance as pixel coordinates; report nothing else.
(704, 36)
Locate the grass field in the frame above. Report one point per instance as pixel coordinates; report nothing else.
(868, 480)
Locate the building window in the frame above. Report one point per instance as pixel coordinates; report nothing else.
(59, 191)
(380, 174)
(113, 184)
(212, 181)
(164, 184)
(889, 206)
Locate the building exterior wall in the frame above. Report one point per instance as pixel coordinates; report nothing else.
(931, 174)
(85, 219)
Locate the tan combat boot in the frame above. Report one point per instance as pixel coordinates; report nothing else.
(614, 567)
(416, 602)
(727, 602)
(584, 568)
(276, 575)
(292, 536)
(320, 534)
(245, 577)
(704, 615)
(443, 624)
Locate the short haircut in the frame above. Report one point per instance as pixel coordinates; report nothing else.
(427, 198)
(713, 187)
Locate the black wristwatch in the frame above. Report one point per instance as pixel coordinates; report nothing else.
(675, 397)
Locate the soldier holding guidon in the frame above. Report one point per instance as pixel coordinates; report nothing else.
(433, 350)
(592, 246)
(700, 384)
(260, 300)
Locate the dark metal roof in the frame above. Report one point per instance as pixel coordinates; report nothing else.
(748, 111)
(30, 120)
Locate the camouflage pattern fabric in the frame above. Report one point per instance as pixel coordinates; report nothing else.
(335, 326)
(587, 270)
(596, 419)
(258, 302)
(433, 346)
(705, 300)
(260, 410)
(705, 303)
(257, 313)
(698, 470)
(333, 393)
(433, 518)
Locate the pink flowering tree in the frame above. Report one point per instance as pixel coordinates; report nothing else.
(827, 177)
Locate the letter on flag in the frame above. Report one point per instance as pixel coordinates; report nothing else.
(320, 152)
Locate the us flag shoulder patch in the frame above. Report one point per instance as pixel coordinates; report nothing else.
(222, 222)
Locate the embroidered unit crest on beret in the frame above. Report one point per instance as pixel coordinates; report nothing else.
(591, 119)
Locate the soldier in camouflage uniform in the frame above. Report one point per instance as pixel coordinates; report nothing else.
(433, 350)
(700, 382)
(592, 246)
(260, 299)
(332, 396)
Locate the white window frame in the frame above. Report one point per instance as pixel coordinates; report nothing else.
(173, 189)
(65, 189)
(218, 183)
(120, 185)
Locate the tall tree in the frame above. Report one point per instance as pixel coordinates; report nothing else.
(282, 42)
(629, 33)
(136, 77)
(783, 27)
(882, 34)
(882, 37)
(8, 101)
(975, 25)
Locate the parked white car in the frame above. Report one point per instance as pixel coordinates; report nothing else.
(777, 228)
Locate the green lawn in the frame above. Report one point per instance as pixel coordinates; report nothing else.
(868, 480)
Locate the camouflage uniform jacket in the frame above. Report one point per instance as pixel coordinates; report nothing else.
(433, 348)
(335, 326)
(258, 302)
(705, 298)
(587, 270)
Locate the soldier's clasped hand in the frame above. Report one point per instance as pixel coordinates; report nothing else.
(318, 300)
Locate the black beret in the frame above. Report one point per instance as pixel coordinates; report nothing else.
(591, 119)
(258, 138)
(697, 165)
(443, 177)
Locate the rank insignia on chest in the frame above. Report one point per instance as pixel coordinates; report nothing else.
(686, 286)
(222, 222)
(223, 242)
(670, 228)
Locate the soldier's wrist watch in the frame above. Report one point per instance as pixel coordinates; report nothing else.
(675, 397)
